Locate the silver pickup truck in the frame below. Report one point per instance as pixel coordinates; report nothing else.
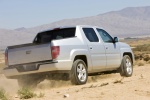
(78, 50)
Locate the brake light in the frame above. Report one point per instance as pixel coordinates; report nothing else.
(6, 57)
(55, 51)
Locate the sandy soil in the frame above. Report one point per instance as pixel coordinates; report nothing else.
(1, 58)
(101, 87)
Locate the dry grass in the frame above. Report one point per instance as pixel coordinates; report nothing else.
(140, 64)
(137, 41)
(1, 67)
(141, 50)
(2, 64)
(1, 58)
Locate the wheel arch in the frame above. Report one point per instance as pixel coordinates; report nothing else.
(130, 55)
(82, 57)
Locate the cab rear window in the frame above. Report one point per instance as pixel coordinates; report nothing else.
(48, 36)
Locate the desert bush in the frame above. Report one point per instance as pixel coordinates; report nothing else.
(140, 64)
(26, 93)
(146, 58)
(3, 95)
(138, 56)
(148, 62)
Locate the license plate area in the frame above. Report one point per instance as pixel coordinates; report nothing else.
(28, 67)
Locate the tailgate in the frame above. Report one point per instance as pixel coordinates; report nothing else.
(29, 53)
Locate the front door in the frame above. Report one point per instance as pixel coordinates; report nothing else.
(112, 49)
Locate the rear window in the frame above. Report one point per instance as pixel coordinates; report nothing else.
(48, 36)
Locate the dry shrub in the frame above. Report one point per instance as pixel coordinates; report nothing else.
(140, 64)
(146, 58)
(3, 95)
(148, 62)
(141, 52)
(138, 55)
(26, 93)
(119, 81)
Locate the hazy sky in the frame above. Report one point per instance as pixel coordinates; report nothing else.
(30, 13)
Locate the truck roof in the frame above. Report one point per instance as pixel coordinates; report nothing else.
(62, 27)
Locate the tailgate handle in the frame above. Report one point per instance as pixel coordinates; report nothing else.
(28, 52)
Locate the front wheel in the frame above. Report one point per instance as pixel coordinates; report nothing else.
(79, 73)
(126, 68)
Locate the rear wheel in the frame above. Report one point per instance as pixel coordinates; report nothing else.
(126, 68)
(79, 73)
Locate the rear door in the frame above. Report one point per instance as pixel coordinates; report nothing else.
(96, 49)
(112, 49)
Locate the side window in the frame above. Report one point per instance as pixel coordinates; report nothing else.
(90, 34)
(57, 34)
(63, 33)
(69, 32)
(105, 36)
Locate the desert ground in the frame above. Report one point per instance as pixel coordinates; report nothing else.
(101, 87)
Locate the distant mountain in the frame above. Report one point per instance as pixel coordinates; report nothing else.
(132, 21)
(128, 22)
(20, 29)
(13, 37)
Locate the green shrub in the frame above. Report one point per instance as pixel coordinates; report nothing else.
(26, 93)
(3, 95)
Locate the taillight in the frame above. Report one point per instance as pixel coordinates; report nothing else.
(55, 51)
(6, 57)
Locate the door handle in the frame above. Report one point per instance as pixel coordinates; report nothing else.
(28, 52)
(106, 47)
(91, 48)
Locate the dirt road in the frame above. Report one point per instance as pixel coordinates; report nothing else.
(101, 87)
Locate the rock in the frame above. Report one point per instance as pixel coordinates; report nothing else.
(16, 96)
(66, 95)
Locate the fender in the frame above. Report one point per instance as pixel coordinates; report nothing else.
(85, 52)
(127, 50)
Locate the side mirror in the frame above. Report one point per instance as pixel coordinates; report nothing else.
(116, 39)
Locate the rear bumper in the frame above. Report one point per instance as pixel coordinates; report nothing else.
(48, 67)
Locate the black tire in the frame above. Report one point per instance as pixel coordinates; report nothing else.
(126, 67)
(79, 75)
(30, 81)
